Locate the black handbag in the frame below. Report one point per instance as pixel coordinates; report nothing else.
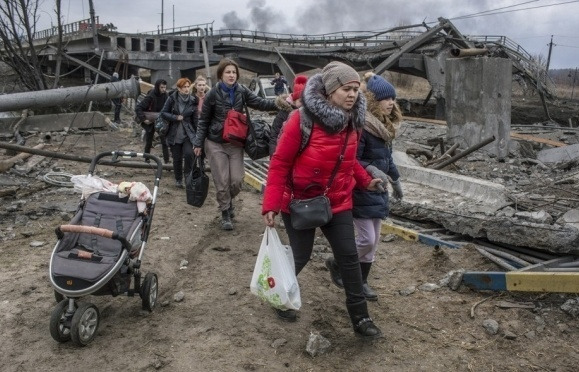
(310, 213)
(161, 125)
(314, 212)
(197, 183)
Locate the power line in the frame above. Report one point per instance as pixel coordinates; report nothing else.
(511, 11)
(493, 10)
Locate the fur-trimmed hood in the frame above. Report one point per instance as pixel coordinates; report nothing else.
(333, 119)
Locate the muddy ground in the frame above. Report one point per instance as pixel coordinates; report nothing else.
(221, 326)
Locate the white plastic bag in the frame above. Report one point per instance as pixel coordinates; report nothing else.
(274, 279)
(87, 184)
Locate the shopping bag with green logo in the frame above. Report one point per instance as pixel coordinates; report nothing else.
(274, 279)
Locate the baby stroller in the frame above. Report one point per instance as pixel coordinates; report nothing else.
(98, 253)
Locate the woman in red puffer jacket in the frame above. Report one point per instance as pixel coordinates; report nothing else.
(308, 149)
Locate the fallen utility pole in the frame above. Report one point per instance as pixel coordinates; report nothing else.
(129, 88)
(464, 153)
(78, 158)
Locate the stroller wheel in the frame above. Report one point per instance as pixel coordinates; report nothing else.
(149, 291)
(60, 322)
(85, 323)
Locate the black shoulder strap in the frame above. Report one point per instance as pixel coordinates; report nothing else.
(340, 158)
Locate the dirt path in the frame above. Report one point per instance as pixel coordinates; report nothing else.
(221, 326)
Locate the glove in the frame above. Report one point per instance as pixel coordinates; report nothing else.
(397, 189)
(377, 173)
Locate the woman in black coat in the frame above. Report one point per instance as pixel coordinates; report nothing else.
(225, 159)
(180, 111)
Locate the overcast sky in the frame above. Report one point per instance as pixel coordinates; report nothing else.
(528, 23)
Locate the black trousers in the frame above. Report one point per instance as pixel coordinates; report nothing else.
(118, 105)
(182, 151)
(340, 234)
(149, 136)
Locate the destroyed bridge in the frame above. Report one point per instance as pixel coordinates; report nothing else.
(417, 50)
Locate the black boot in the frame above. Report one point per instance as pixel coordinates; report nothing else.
(363, 324)
(286, 315)
(226, 223)
(231, 210)
(368, 292)
(334, 272)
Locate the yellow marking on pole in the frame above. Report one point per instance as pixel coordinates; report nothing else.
(567, 282)
(402, 232)
(254, 182)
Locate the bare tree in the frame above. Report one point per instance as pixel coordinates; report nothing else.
(17, 27)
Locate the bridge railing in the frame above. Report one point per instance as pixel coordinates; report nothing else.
(524, 58)
(351, 38)
(69, 28)
(207, 29)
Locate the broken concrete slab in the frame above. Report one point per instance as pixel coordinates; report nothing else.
(56, 122)
(570, 217)
(492, 195)
(476, 208)
(559, 154)
(465, 216)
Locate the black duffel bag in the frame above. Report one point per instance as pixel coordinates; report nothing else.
(257, 141)
(197, 183)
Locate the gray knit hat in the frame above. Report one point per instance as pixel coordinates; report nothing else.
(336, 74)
(381, 88)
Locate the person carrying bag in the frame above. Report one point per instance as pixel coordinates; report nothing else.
(226, 98)
(333, 107)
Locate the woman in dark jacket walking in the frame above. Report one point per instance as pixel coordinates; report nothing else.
(225, 159)
(181, 112)
(333, 115)
(146, 112)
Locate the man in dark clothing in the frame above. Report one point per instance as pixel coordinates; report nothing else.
(147, 111)
(117, 102)
(279, 83)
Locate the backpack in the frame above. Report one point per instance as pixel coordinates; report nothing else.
(307, 130)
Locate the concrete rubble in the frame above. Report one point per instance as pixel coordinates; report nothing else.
(479, 208)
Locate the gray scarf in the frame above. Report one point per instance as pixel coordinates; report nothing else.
(182, 101)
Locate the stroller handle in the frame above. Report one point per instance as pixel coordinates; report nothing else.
(60, 230)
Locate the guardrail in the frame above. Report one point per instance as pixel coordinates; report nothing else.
(69, 28)
(207, 28)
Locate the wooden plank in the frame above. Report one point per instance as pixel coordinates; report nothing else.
(423, 120)
(546, 141)
(514, 135)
